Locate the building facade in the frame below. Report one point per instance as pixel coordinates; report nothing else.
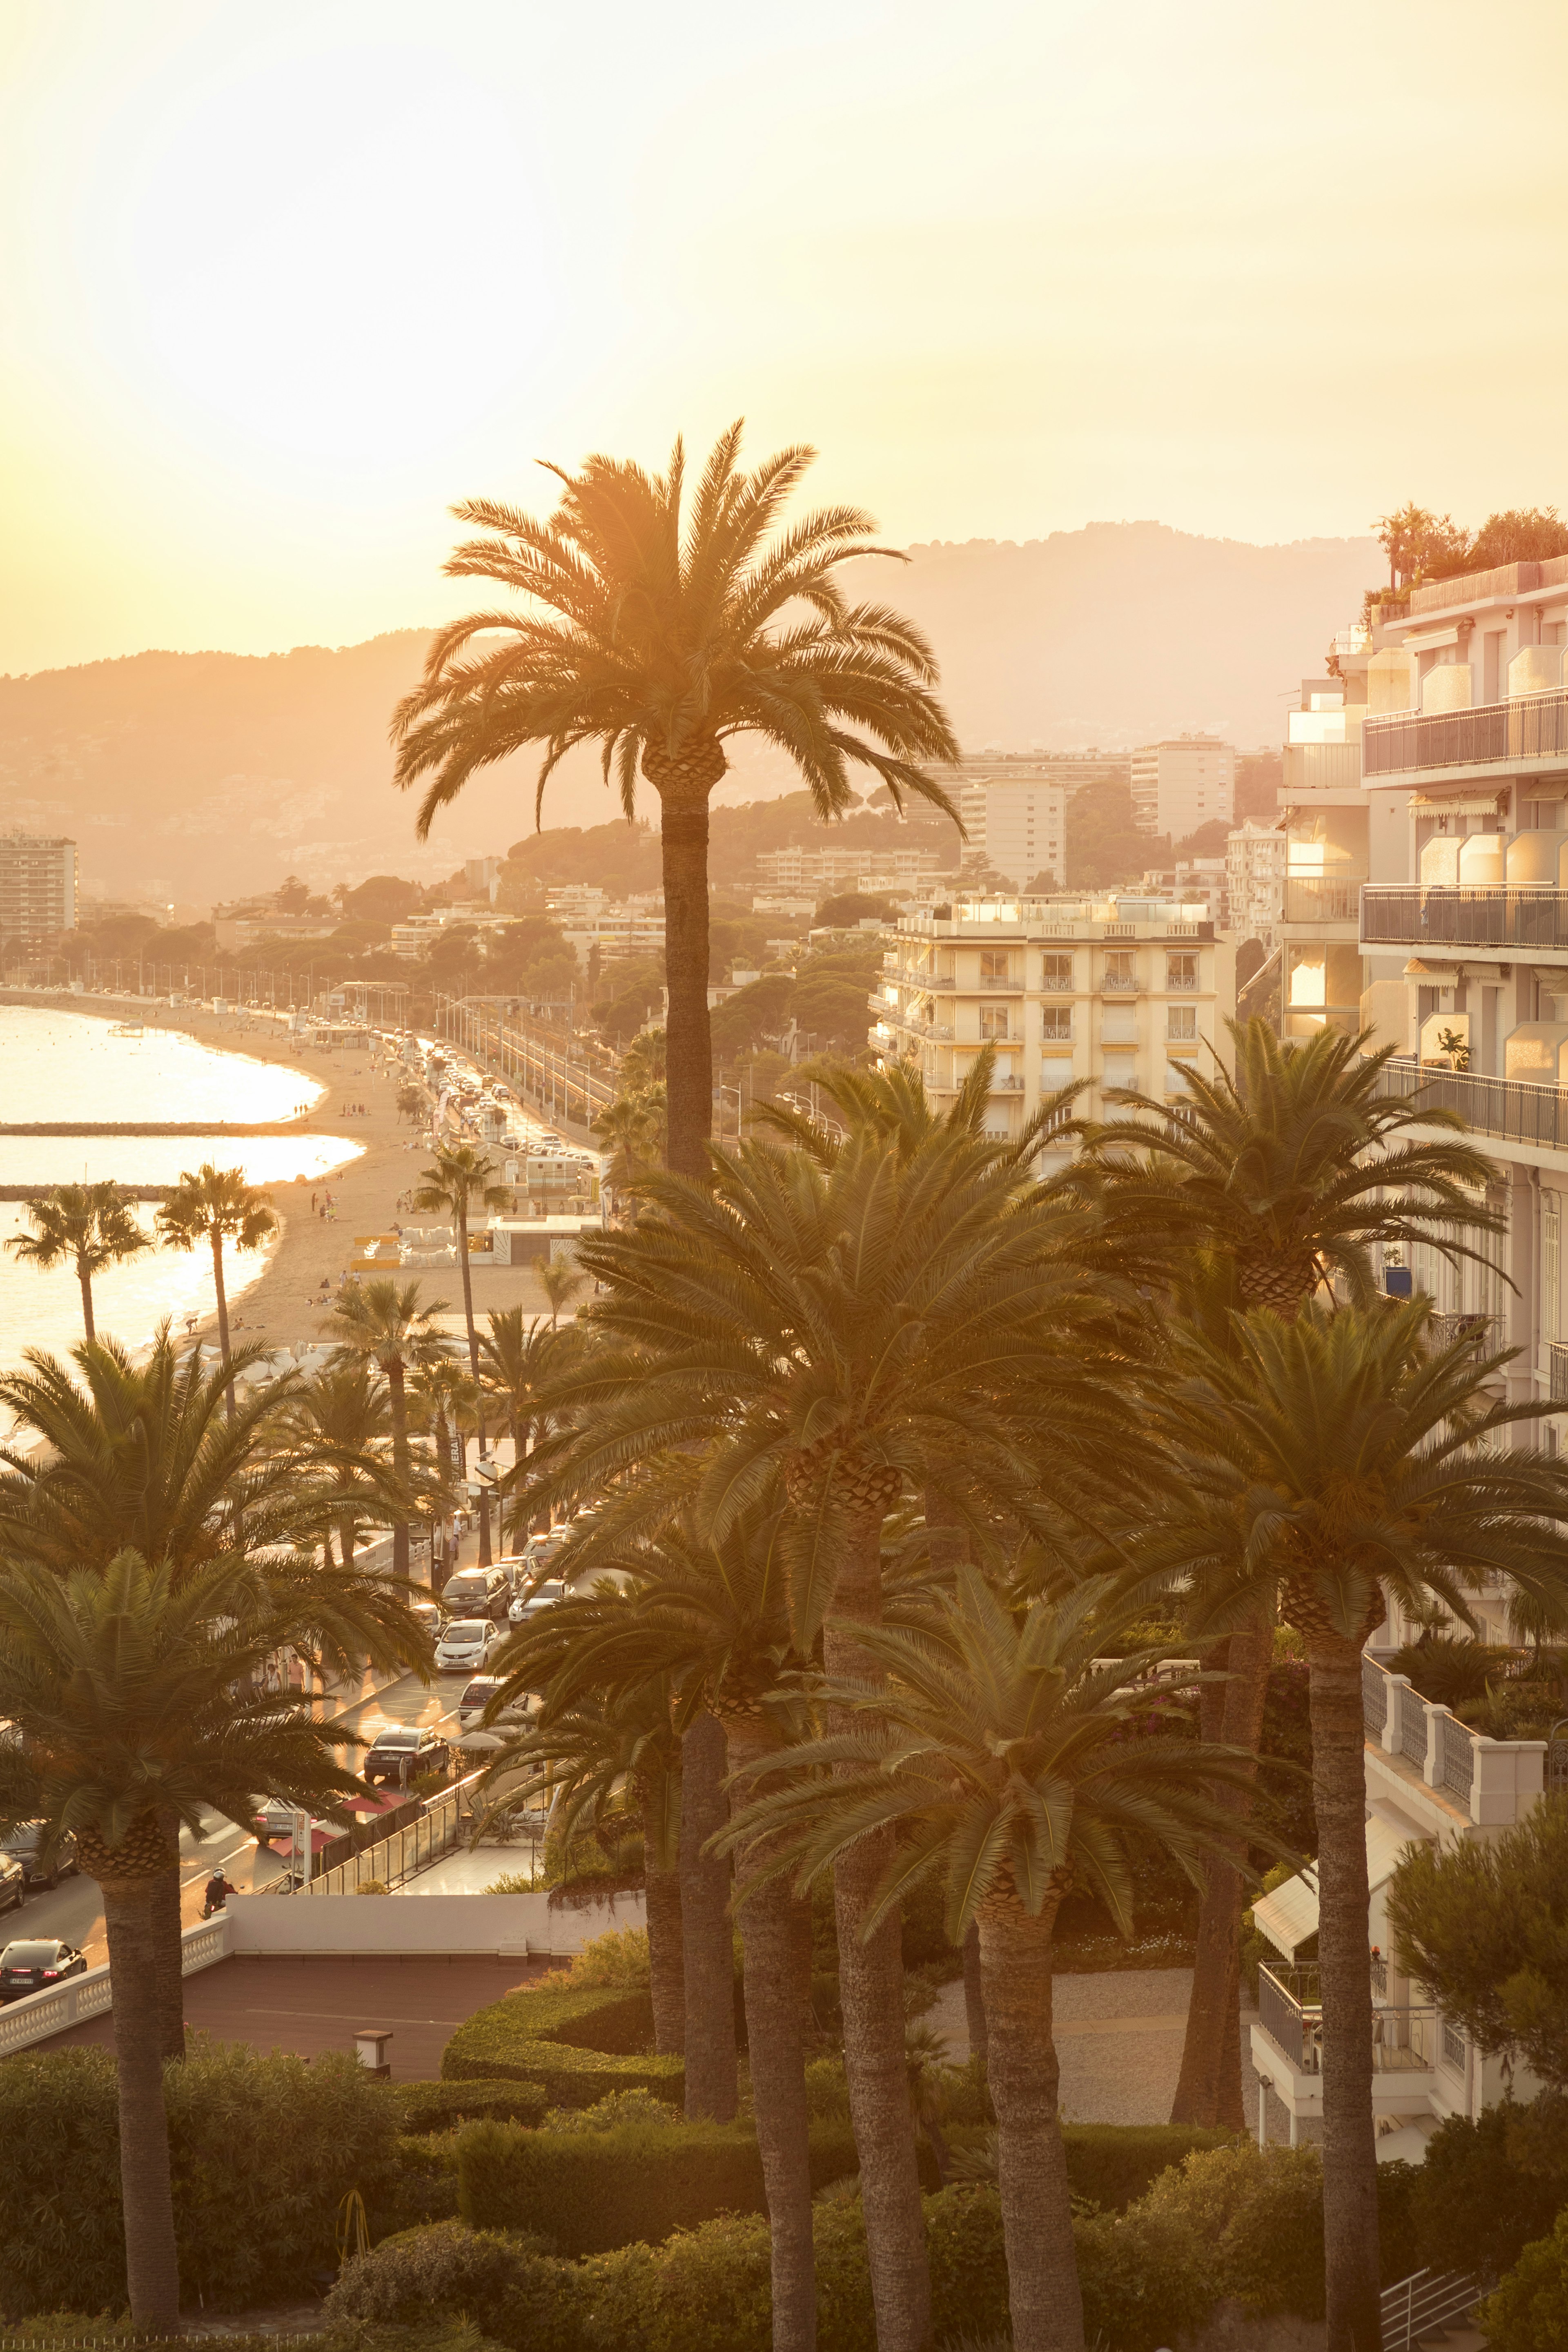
(38, 888)
(1116, 992)
(797, 870)
(1183, 783)
(1254, 881)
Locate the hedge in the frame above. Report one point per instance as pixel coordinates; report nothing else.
(578, 2045)
(437, 2107)
(590, 2192)
(1112, 2165)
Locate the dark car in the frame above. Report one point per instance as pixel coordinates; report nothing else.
(477, 1592)
(13, 1884)
(22, 1845)
(29, 1968)
(404, 1752)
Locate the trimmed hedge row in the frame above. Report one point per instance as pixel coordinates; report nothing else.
(437, 2107)
(591, 2191)
(578, 2045)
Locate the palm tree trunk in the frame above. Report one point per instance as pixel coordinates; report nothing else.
(89, 1329)
(712, 2084)
(167, 1949)
(770, 1940)
(222, 1312)
(398, 1405)
(684, 781)
(1043, 2294)
(662, 1901)
(485, 1552)
(1208, 2089)
(152, 2262)
(974, 1998)
(1350, 2258)
(871, 1995)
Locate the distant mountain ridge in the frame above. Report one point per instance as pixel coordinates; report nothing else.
(195, 776)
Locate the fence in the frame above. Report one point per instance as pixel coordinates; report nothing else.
(1423, 2303)
(1464, 915)
(1526, 727)
(441, 1823)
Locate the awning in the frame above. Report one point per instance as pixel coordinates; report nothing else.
(1290, 1915)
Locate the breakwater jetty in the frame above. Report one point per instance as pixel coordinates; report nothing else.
(126, 1126)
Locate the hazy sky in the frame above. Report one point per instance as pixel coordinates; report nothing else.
(281, 282)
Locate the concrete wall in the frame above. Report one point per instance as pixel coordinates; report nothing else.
(508, 1924)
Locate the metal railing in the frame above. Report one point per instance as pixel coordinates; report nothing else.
(1525, 915)
(1446, 1329)
(1526, 727)
(1391, 1704)
(1413, 1727)
(1119, 983)
(388, 1860)
(1453, 2045)
(1515, 1109)
(1313, 898)
(1557, 1360)
(1425, 2303)
(1456, 1757)
(1373, 1697)
(1290, 2012)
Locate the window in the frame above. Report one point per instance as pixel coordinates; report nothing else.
(994, 1020)
(1121, 973)
(993, 965)
(1181, 1023)
(1055, 1022)
(1055, 971)
(1181, 972)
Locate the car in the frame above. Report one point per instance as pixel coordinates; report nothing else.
(404, 1752)
(28, 1968)
(477, 1697)
(543, 1593)
(21, 1844)
(13, 1884)
(538, 1549)
(465, 1644)
(429, 1614)
(476, 1593)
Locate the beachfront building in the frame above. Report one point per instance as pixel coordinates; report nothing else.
(1181, 783)
(1117, 991)
(38, 888)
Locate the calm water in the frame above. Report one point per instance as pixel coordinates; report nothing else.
(66, 1065)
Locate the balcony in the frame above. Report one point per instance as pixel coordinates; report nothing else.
(1513, 1109)
(1528, 915)
(1480, 1329)
(1119, 983)
(1529, 730)
(1494, 1781)
(1322, 898)
(1406, 2037)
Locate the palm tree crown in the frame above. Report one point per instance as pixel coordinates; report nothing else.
(88, 1225)
(389, 1325)
(217, 1205)
(666, 631)
(461, 1177)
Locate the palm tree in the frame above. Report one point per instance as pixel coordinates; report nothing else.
(134, 1699)
(1288, 1173)
(519, 1360)
(441, 1399)
(1010, 1764)
(86, 1225)
(633, 1130)
(666, 632)
(561, 1283)
(345, 1412)
(217, 1205)
(861, 1320)
(389, 1325)
(460, 1177)
(1341, 1460)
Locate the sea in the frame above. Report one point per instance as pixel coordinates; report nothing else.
(73, 1066)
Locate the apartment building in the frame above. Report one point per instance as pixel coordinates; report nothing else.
(1181, 783)
(797, 870)
(1117, 991)
(1254, 881)
(37, 887)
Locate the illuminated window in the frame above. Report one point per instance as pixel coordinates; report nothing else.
(994, 1020)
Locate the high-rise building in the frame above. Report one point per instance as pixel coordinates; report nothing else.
(1014, 807)
(1254, 881)
(37, 887)
(1183, 783)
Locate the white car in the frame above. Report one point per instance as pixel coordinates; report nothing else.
(466, 1644)
(535, 1597)
(472, 1705)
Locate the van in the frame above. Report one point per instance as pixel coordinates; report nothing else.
(476, 1593)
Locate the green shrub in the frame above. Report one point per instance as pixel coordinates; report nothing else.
(577, 2043)
(619, 1956)
(1259, 2215)
(507, 2286)
(1112, 2165)
(620, 2107)
(590, 2192)
(1474, 2204)
(433, 2106)
(1529, 2312)
(262, 2136)
(1144, 2279)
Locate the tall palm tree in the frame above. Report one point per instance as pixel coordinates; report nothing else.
(86, 1225)
(1287, 1172)
(1005, 1758)
(667, 628)
(217, 1205)
(461, 1177)
(861, 1322)
(389, 1325)
(134, 1699)
(441, 1400)
(519, 1359)
(1341, 1460)
(633, 1130)
(344, 1410)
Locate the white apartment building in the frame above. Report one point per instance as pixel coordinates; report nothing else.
(1254, 881)
(37, 887)
(1018, 822)
(796, 869)
(1119, 991)
(1183, 783)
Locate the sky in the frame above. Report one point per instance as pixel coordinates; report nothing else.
(282, 283)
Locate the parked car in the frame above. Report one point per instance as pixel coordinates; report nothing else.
(21, 1844)
(476, 1593)
(405, 1752)
(542, 1595)
(13, 1884)
(29, 1968)
(465, 1644)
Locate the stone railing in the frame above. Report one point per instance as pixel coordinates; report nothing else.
(40, 2014)
(1496, 1781)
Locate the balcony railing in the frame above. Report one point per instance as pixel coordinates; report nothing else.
(1119, 983)
(1495, 1780)
(1446, 1329)
(1557, 1357)
(1465, 915)
(1528, 727)
(1513, 1109)
(1405, 2035)
(1322, 898)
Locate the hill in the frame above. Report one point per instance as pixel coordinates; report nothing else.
(196, 776)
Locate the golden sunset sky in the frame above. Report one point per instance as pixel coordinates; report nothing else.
(282, 281)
